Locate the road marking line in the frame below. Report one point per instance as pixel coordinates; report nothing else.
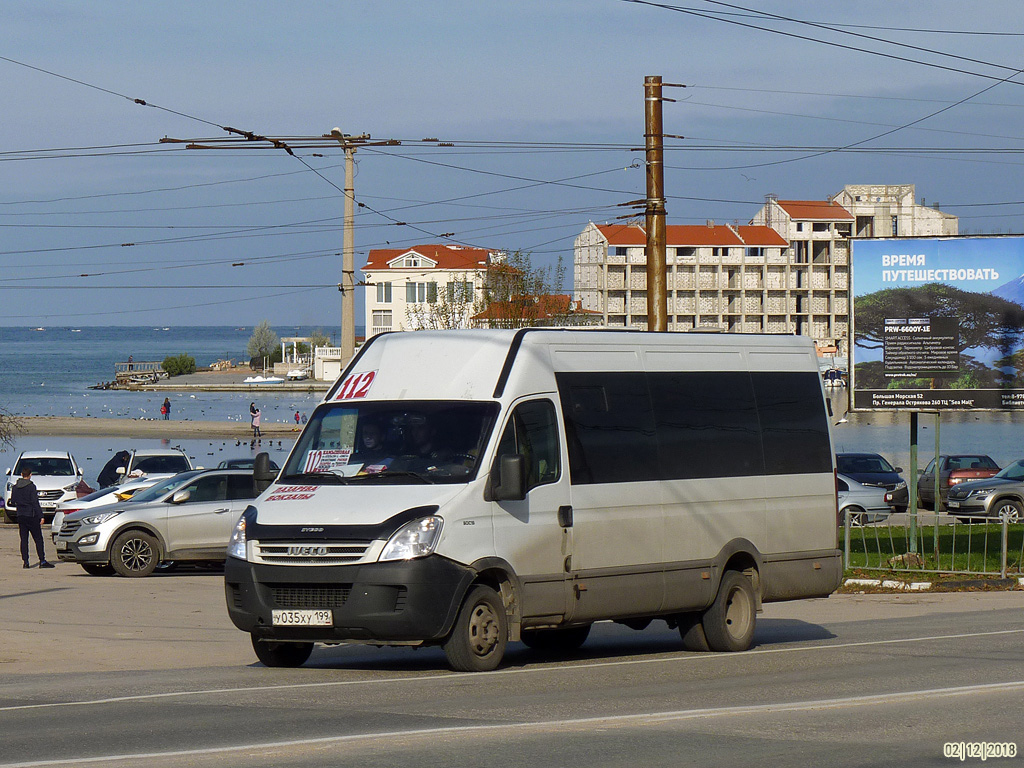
(690, 657)
(643, 718)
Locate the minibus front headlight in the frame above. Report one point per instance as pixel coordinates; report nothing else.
(237, 542)
(415, 539)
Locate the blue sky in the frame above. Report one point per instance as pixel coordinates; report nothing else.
(85, 189)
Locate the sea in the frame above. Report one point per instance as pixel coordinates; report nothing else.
(48, 372)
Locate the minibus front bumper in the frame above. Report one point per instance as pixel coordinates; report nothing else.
(403, 601)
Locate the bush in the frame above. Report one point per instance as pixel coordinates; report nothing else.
(180, 365)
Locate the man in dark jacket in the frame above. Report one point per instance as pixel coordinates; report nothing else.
(30, 517)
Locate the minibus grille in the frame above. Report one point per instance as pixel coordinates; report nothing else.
(306, 553)
(314, 596)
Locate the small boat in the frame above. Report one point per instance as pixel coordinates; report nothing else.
(297, 374)
(263, 380)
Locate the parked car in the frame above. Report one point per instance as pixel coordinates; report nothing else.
(56, 475)
(873, 470)
(863, 503)
(243, 463)
(952, 470)
(998, 498)
(100, 498)
(188, 517)
(155, 463)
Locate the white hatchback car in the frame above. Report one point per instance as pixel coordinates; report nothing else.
(56, 475)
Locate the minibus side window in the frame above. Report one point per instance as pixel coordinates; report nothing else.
(533, 432)
(610, 427)
(794, 426)
(707, 424)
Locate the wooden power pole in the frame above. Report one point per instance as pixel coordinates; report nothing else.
(657, 294)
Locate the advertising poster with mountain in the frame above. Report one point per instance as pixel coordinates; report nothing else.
(937, 323)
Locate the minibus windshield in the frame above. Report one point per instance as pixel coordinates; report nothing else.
(406, 441)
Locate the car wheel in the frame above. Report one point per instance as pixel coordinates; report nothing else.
(1008, 511)
(97, 569)
(857, 515)
(273, 654)
(555, 640)
(692, 633)
(729, 622)
(477, 641)
(134, 554)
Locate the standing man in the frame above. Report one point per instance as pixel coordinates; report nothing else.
(30, 517)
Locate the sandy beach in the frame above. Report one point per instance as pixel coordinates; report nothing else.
(87, 426)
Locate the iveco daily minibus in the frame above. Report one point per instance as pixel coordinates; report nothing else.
(471, 488)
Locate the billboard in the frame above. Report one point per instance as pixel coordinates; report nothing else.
(937, 323)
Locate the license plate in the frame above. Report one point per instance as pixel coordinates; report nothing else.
(324, 618)
(953, 504)
(48, 504)
(60, 545)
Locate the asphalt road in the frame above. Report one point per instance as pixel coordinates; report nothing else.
(111, 671)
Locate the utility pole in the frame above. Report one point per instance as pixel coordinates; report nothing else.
(250, 140)
(657, 294)
(348, 251)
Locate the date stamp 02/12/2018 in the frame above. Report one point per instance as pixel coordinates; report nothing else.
(978, 750)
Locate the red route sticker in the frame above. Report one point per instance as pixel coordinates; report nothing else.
(356, 385)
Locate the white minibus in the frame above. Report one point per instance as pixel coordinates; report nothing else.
(473, 488)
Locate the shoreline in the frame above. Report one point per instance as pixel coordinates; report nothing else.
(92, 426)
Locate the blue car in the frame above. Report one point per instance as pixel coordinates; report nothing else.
(873, 470)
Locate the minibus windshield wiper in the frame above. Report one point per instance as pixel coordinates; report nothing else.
(389, 473)
(324, 477)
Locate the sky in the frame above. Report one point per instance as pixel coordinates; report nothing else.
(542, 102)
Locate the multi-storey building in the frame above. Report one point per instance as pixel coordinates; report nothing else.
(788, 272)
(724, 277)
(425, 286)
(818, 264)
(890, 210)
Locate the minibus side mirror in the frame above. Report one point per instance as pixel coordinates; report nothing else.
(262, 474)
(508, 479)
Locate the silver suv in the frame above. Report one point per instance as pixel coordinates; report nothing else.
(995, 499)
(188, 517)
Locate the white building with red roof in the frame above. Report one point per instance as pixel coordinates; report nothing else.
(423, 286)
(722, 277)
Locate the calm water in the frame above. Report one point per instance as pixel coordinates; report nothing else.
(49, 372)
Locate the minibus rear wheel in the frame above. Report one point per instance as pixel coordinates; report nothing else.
(729, 622)
(555, 640)
(692, 633)
(478, 639)
(281, 654)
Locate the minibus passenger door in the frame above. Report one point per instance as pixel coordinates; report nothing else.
(533, 527)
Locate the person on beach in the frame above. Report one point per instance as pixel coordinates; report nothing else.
(296, 418)
(254, 414)
(165, 409)
(30, 517)
(131, 363)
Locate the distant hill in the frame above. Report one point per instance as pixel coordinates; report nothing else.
(1012, 291)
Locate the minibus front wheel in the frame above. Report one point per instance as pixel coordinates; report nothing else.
(729, 622)
(477, 641)
(281, 654)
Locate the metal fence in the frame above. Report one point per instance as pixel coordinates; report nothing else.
(936, 544)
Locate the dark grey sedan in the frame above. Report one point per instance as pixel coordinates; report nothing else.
(996, 498)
